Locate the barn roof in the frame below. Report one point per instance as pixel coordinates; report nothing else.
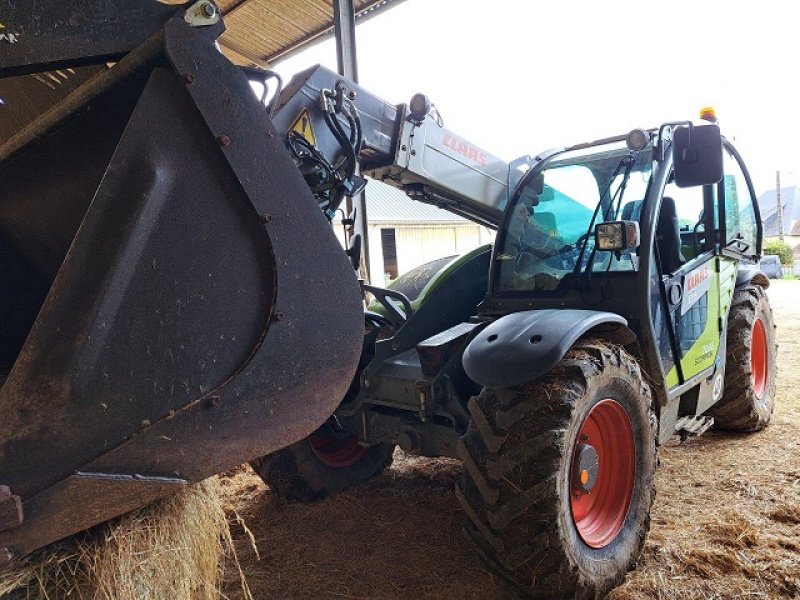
(790, 201)
(386, 204)
(264, 31)
(257, 32)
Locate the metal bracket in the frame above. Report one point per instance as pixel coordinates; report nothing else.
(202, 14)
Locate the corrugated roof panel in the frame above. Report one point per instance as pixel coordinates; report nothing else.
(267, 30)
(386, 204)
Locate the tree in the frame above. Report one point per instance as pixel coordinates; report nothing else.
(781, 249)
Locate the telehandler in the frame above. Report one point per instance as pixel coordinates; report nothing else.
(621, 304)
(174, 301)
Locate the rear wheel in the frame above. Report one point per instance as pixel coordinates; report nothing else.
(327, 461)
(558, 474)
(749, 394)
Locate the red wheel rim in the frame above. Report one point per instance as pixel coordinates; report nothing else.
(758, 357)
(336, 452)
(599, 512)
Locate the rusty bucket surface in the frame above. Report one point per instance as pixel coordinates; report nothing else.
(172, 301)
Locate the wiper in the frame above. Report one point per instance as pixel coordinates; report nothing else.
(627, 163)
(621, 189)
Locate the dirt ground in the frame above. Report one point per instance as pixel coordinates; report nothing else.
(726, 522)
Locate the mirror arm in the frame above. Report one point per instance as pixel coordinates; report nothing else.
(661, 150)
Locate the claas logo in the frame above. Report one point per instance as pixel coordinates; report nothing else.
(464, 149)
(696, 279)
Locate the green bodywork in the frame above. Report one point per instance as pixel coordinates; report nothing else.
(705, 350)
(421, 277)
(413, 389)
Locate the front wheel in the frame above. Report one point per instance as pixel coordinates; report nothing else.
(327, 461)
(558, 474)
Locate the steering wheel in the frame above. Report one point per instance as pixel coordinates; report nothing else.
(696, 240)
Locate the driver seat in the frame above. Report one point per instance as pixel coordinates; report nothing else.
(668, 236)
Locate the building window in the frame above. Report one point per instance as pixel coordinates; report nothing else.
(389, 245)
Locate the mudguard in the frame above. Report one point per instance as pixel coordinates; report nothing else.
(520, 347)
(751, 274)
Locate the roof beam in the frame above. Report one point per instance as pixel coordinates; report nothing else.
(344, 26)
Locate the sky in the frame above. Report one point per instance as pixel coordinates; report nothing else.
(517, 77)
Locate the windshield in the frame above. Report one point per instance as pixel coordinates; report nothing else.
(550, 225)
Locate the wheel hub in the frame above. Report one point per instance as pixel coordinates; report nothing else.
(587, 467)
(336, 451)
(603, 473)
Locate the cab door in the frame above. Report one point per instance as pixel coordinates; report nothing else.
(688, 261)
(740, 225)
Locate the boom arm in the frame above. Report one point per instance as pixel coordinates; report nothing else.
(413, 153)
(434, 165)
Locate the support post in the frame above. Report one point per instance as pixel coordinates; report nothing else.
(779, 204)
(344, 24)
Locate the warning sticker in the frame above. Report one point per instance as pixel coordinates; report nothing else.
(302, 125)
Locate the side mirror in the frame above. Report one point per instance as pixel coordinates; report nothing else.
(616, 236)
(354, 251)
(697, 155)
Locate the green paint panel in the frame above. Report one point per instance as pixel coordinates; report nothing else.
(704, 351)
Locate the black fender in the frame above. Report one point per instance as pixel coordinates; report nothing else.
(520, 347)
(751, 274)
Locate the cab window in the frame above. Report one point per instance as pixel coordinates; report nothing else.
(740, 216)
(689, 210)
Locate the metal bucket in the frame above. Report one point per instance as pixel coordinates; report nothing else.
(172, 301)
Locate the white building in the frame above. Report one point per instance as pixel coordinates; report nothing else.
(405, 233)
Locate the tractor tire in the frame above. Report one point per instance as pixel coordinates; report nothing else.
(536, 511)
(750, 363)
(323, 463)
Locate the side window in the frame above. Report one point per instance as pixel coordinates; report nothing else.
(688, 205)
(740, 216)
(689, 210)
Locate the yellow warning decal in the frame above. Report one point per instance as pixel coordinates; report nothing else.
(302, 125)
(2, 26)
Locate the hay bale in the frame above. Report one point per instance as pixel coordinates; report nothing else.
(175, 548)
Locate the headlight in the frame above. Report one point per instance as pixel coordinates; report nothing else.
(617, 235)
(637, 140)
(419, 107)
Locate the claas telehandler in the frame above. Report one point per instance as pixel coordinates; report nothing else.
(174, 301)
(621, 305)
